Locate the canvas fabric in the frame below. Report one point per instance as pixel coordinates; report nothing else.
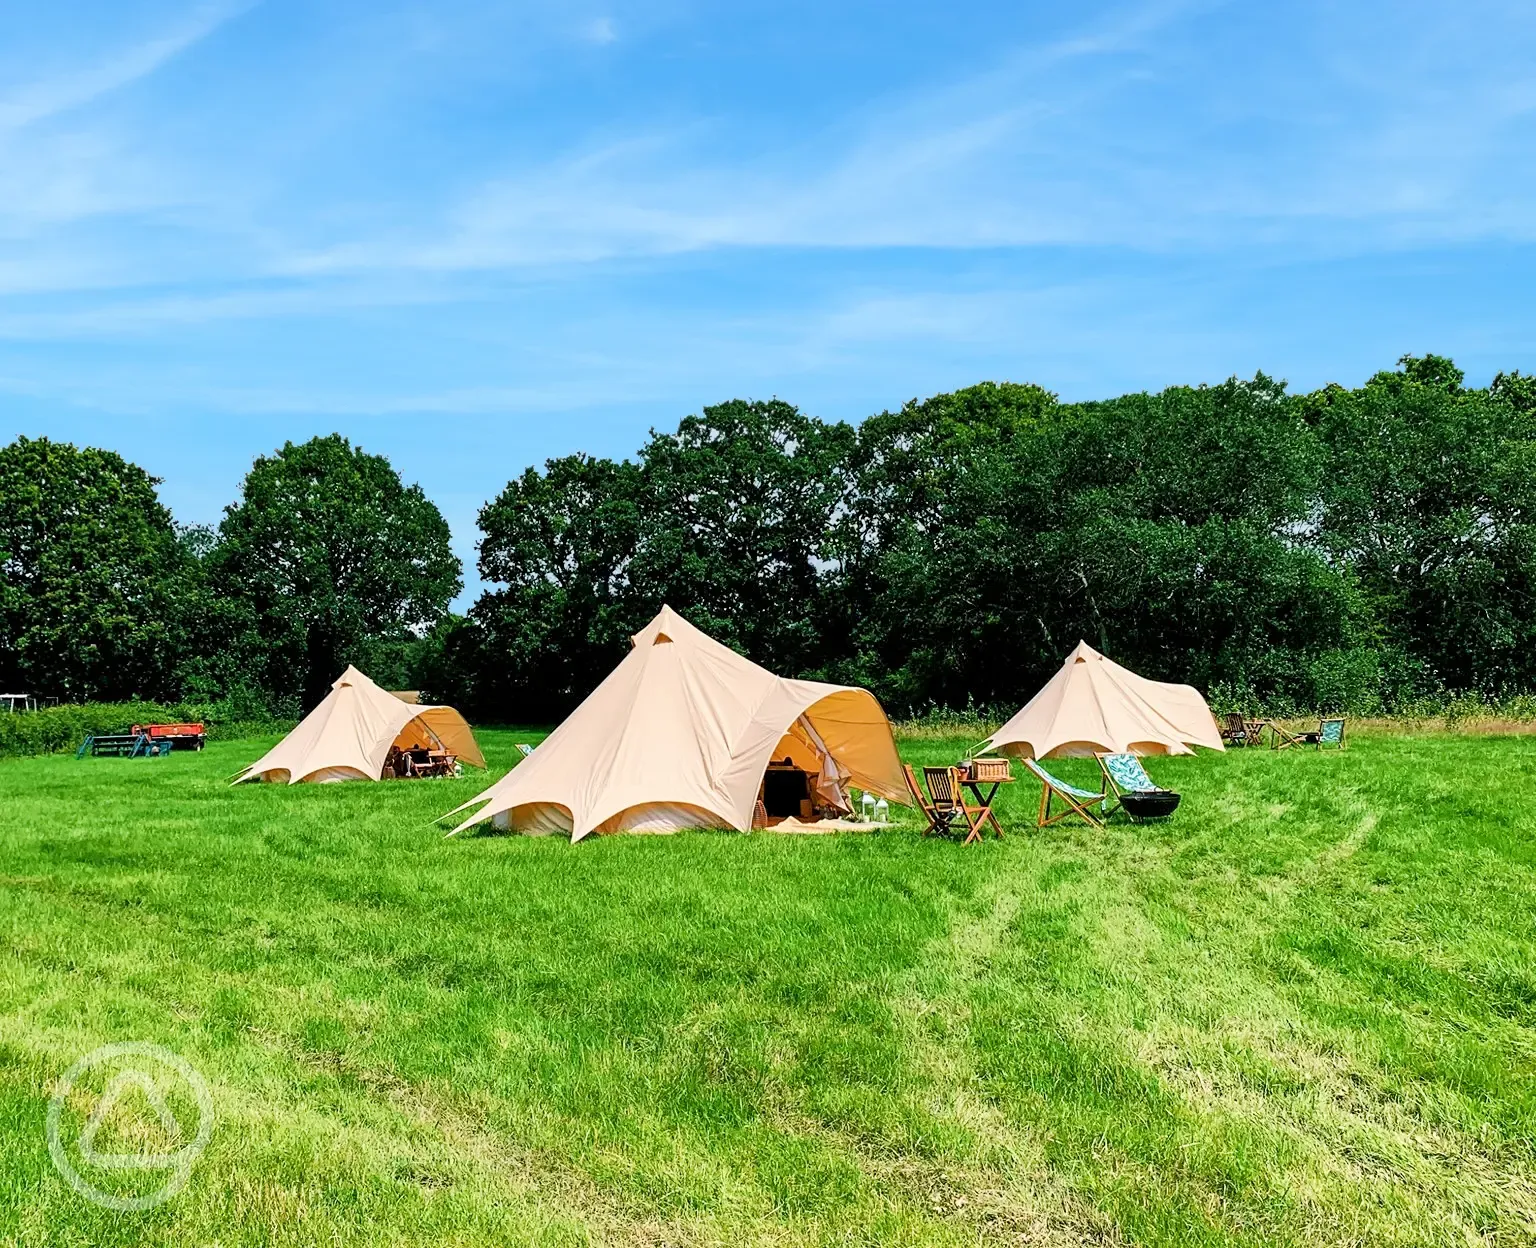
(348, 736)
(680, 734)
(1093, 705)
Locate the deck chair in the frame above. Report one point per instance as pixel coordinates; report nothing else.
(1079, 801)
(1329, 732)
(1123, 773)
(944, 810)
(525, 749)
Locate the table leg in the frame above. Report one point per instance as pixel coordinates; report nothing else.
(984, 810)
(992, 818)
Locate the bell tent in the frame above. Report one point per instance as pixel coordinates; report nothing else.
(1094, 704)
(349, 736)
(681, 734)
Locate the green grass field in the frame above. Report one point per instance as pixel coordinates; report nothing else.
(1301, 1012)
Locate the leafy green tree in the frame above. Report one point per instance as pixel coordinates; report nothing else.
(727, 520)
(936, 569)
(995, 528)
(560, 544)
(447, 668)
(1516, 389)
(90, 564)
(740, 505)
(1430, 499)
(1349, 548)
(325, 556)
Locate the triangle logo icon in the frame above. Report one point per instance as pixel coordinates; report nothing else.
(125, 1084)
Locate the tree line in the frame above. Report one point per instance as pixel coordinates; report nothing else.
(1357, 549)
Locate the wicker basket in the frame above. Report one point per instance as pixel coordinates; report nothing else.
(987, 770)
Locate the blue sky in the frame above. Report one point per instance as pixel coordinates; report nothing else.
(475, 235)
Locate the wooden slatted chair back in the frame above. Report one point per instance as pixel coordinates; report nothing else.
(944, 785)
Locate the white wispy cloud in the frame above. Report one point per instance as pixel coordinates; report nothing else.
(1055, 144)
(37, 101)
(116, 315)
(70, 155)
(1129, 132)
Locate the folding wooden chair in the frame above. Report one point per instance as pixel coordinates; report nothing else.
(1280, 739)
(921, 798)
(1329, 732)
(1234, 729)
(944, 810)
(1079, 801)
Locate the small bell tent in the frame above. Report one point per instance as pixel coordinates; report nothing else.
(350, 734)
(1094, 704)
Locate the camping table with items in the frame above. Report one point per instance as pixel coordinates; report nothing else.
(419, 763)
(1240, 730)
(977, 773)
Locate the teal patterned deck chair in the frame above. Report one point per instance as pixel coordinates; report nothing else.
(1123, 773)
(525, 749)
(1079, 802)
(1331, 733)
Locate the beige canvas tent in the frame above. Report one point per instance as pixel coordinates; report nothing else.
(680, 734)
(348, 736)
(1093, 703)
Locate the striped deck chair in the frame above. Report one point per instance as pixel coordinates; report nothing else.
(1079, 801)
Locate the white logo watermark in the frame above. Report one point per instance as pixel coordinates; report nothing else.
(146, 1074)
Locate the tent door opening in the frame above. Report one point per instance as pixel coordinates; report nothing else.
(416, 753)
(803, 780)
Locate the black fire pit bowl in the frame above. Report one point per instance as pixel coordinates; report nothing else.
(1158, 805)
